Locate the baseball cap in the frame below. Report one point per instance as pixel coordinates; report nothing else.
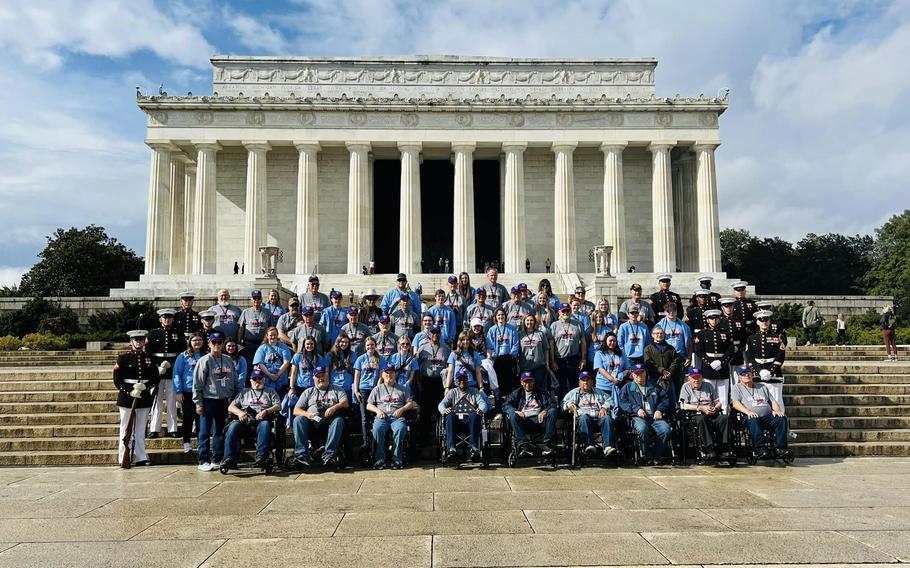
(256, 374)
(638, 368)
(694, 372)
(527, 376)
(744, 369)
(255, 294)
(584, 375)
(293, 302)
(452, 279)
(216, 336)
(318, 371)
(308, 311)
(401, 276)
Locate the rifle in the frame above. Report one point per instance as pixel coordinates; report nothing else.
(127, 459)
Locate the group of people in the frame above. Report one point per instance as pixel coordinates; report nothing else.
(473, 351)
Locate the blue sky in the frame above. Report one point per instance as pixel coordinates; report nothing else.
(816, 138)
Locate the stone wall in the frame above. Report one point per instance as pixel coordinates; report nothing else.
(230, 205)
(333, 167)
(637, 204)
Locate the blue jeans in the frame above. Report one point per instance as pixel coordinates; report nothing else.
(588, 425)
(237, 429)
(647, 428)
(470, 422)
(211, 423)
(776, 424)
(303, 428)
(398, 426)
(364, 395)
(522, 426)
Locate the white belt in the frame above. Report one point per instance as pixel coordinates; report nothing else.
(132, 381)
(165, 355)
(771, 360)
(715, 354)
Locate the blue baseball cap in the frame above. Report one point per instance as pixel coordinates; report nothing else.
(744, 369)
(257, 374)
(527, 376)
(637, 367)
(318, 371)
(335, 294)
(565, 308)
(433, 329)
(694, 372)
(388, 367)
(255, 294)
(584, 375)
(216, 336)
(462, 374)
(384, 319)
(452, 279)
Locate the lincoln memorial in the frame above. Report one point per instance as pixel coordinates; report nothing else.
(401, 161)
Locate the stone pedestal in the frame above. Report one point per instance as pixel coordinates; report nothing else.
(606, 286)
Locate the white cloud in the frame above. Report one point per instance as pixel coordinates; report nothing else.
(42, 31)
(11, 275)
(256, 34)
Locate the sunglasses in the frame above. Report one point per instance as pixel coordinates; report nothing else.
(217, 342)
(764, 319)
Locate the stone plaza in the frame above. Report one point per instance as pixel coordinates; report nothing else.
(818, 511)
(401, 161)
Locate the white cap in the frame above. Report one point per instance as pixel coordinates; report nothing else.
(726, 301)
(705, 279)
(740, 284)
(476, 321)
(664, 277)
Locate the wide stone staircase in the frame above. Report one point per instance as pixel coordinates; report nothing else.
(57, 408)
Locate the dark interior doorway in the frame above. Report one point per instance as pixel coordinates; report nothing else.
(437, 194)
(487, 245)
(386, 203)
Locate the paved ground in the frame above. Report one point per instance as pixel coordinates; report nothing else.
(820, 511)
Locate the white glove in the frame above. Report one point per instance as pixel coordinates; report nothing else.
(716, 365)
(162, 369)
(764, 374)
(165, 365)
(138, 389)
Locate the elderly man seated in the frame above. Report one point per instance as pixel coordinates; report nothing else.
(700, 399)
(463, 408)
(591, 408)
(389, 401)
(647, 404)
(762, 413)
(255, 408)
(531, 409)
(319, 407)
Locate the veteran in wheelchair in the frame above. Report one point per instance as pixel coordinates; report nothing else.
(320, 411)
(647, 404)
(701, 411)
(591, 410)
(463, 408)
(253, 413)
(762, 417)
(531, 409)
(390, 403)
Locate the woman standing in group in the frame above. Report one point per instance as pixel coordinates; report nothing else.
(597, 335)
(273, 358)
(610, 365)
(465, 357)
(465, 290)
(184, 367)
(423, 336)
(534, 352)
(243, 369)
(610, 320)
(406, 365)
(542, 312)
(546, 290)
(274, 305)
(302, 366)
(366, 375)
(339, 363)
(502, 348)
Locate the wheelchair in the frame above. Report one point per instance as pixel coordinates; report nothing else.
(462, 445)
(686, 441)
(276, 454)
(741, 442)
(318, 437)
(411, 419)
(575, 455)
(629, 443)
(510, 441)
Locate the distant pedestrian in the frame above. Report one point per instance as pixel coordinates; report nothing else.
(447, 265)
(888, 322)
(440, 264)
(812, 320)
(236, 268)
(527, 265)
(547, 265)
(841, 330)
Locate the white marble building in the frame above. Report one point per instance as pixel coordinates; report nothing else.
(540, 159)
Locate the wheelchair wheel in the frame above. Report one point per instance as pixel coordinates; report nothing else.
(751, 459)
(513, 458)
(223, 468)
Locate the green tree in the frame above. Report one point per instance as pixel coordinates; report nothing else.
(832, 264)
(733, 244)
(81, 262)
(39, 314)
(890, 267)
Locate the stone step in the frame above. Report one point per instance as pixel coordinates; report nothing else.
(834, 389)
(60, 418)
(60, 396)
(848, 378)
(846, 367)
(839, 410)
(59, 431)
(835, 449)
(90, 457)
(79, 444)
(59, 363)
(853, 435)
(57, 385)
(848, 422)
(53, 407)
(857, 400)
(871, 358)
(54, 374)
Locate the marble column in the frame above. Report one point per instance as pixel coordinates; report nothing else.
(307, 248)
(689, 213)
(514, 243)
(464, 252)
(204, 213)
(157, 235)
(176, 239)
(614, 210)
(189, 202)
(564, 209)
(359, 234)
(676, 184)
(662, 208)
(410, 248)
(708, 224)
(255, 230)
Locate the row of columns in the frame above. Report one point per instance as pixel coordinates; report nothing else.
(181, 241)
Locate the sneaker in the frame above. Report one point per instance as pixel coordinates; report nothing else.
(397, 465)
(590, 450)
(609, 451)
(153, 435)
(380, 464)
(187, 448)
(142, 463)
(547, 450)
(228, 464)
(297, 462)
(474, 455)
(450, 453)
(525, 451)
(206, 466)
(329, 460)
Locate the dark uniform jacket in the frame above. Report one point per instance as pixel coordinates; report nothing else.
(714, 345)
(133, 367)
(766, 351)
(744, 310)
(165, 345)
(738, 335)
(695, 317)
(712, 302)
(187, 322)
(661, 298)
